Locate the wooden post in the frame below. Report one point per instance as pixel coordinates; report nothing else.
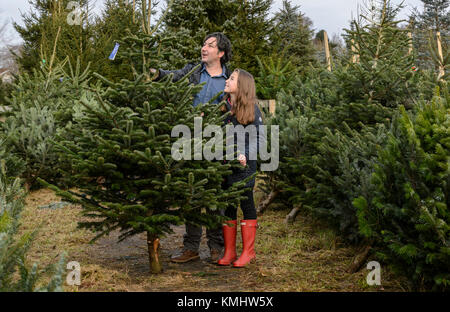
(355, 58)
(441, 57)
(149, 15)
(410, 43)
(272, 106)
(327, 50)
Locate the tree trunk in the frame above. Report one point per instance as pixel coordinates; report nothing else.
(290, 218)
(153, 253)
(267, 201)
(360, 259)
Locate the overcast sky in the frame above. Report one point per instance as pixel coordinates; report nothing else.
(331, 15)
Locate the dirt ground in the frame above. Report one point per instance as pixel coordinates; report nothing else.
(304, 256)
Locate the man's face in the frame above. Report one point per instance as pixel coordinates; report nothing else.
(210, 52)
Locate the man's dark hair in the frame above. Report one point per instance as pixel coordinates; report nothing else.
(223, 44)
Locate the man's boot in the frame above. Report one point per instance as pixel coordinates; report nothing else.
(229, 235)
(186, 256)
(248, 231)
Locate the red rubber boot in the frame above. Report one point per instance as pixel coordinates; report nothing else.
(248, 231)
(229, 237)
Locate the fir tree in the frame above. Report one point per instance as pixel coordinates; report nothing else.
(246, 24)
(191, 21)
(126, 175)
(292, 35)
(55, 20)
(435, 17)
(249, 33)
(407, 214)
(333, 122)
(13, 249)
(42, 104)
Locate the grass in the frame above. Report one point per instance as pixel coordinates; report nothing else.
(303, 256)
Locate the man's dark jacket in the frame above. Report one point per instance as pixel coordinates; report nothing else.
(180, 73)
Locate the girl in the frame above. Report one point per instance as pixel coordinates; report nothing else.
(241, 102)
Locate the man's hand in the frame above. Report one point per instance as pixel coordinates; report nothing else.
(242, 159)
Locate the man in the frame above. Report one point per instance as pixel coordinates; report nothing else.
(215, 53)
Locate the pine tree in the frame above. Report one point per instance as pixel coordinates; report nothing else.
(249, 33)
(53, 21)
(114, 22)
(191, 21)
(292, 35)
(435, 17)
(381, 78)
(245, 22)
(408, 211)
(43, 104)
(126, 175)
(13, 249)
(333, 122)
(275, 74)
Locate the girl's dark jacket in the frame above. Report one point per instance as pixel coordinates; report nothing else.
(251, 144)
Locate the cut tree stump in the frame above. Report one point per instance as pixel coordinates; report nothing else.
(153, 253)
(290, 218)
(267, 201)
(360, 259)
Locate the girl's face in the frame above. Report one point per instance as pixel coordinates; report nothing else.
(231, 83)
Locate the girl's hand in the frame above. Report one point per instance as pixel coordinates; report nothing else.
(242, 159)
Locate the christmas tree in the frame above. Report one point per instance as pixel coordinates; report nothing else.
(331, 123)
(42, 104)
(245, 23)
(126, 161)
(13, 249)
(425, 24)
(292, 36)
(408, 214)
(65, 21)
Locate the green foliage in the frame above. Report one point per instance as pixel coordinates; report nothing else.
(5, 90)
(42, 107)
(292, 36)
(382, 72)
(46, 30)
(434, 17)
(115, 21)
(408, 214)
(121, 152)
(246, 24)
(332, 123)
(15, 275)
(275, 73)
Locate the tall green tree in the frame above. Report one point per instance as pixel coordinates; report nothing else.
(124, 152)
(407, 213)
(332, 123)
(246, 23)
(117, 18)
(63, 21)
(434, 17)
(15, 274)
(292, 35)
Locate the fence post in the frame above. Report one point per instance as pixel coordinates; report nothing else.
(410, 43)
(272, 106)
(327, 50)
(441, 57)
(355, 58)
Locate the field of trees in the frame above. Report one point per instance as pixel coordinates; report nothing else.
(87, 173)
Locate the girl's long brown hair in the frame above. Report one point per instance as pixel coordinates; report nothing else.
(244, 108)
